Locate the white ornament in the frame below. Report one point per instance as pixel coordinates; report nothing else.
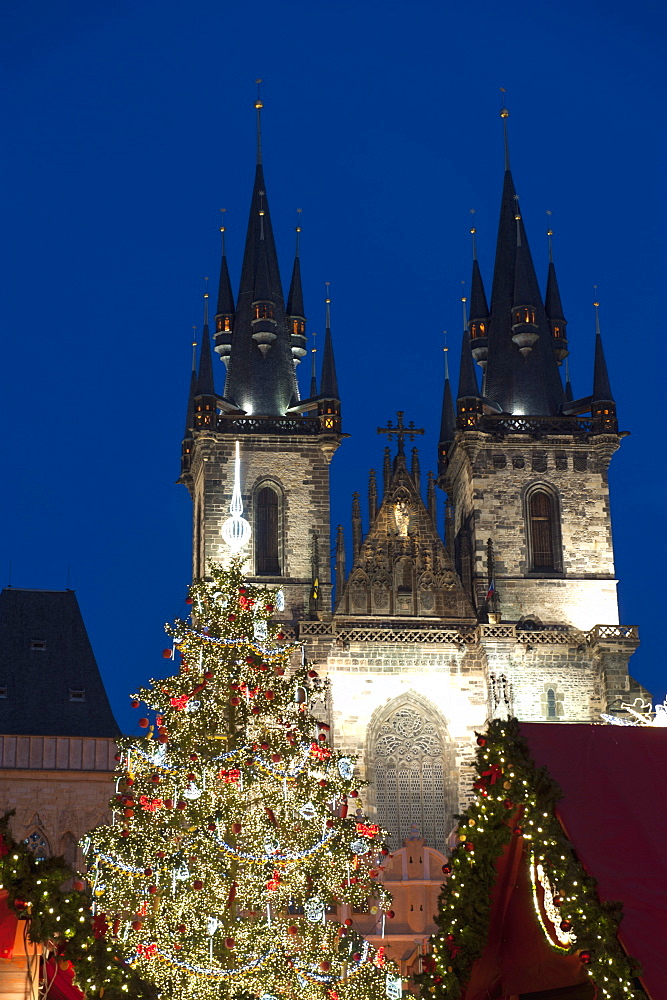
(268, 996)
(393, 987)
(360, 847)
(279, 601)
(314, 909)
(212, 924)
(271, 846)
(345, 768)
(260, 630)
(192, 707)
(192, 791)
(308, 811)
(85, 844)
(235, 530)
(159, 756)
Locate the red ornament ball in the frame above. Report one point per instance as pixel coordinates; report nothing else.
(348, 922)
(159, 854)
(188, 600)
(235, 701)
(116, 756)
(313, 673)
(446, 869)
(125, 833)
(197, 884)
(325, 966)
(585, 957)
(148, 872)
(269, 608)
(155, 778)
(78, 885)
(329, 824)
(356, 957)
(250, 660)
(163, 738)
(437, 979)
(279, 671)
(292, 929)
(232, 618)
(193, 756)
(208, 674)
(481, 741)
(391, 914)
(323, 783)
(236, 827)
(269, 695)
(134, 703)
(470, 846)
(354, 794)
(192, 777)
(280, 637)
(143, 723)
(255, 710)
(322, 737)
(449, 938)
(168, 804)
(152, 889)
(129, 782)
(230, 943)
(519, 830)
(166, 653)
(565, 925)
(275, 757)
(181, 928)
(385, 851)
(137, 925)
(181, 804)
(211, 826)
(558, 900)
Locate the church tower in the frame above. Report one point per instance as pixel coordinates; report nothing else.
(285, 443)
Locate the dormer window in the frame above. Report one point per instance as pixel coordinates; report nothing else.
(77, 694)
(478, 330)
(38, 644)
(263, 310)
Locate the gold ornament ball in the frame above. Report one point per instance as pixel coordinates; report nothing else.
(507, 784)
(471, 822)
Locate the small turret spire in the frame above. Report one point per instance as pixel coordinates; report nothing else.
(329, 382)
(294, 311)
(340, 561)
(186, 448)
(447, 420)
(313, 370)
(357, 530)
(205, 386)
(603, 407)
(553, 305)
(372, 497)
(258, 108)
(468, 388)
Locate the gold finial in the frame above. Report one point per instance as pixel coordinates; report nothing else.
(194, 348)
(597, 310)
(297, 229)
(258, 107)
(473, 231)
(223, 229)
(327, 302)
(206, 301)
(504, 114)
(464, 300)
(550, 233)
(446, 353)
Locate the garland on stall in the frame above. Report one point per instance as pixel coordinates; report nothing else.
(515, 798)
(60, 919)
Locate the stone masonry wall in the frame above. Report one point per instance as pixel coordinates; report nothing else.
(298, 466)
(491, 478)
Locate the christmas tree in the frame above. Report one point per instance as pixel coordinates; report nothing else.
(236, 825)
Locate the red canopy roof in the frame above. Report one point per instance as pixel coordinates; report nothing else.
(614, 810)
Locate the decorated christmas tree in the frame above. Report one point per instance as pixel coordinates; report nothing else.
(237, 831)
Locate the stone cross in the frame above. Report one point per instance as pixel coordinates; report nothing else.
(401, 431)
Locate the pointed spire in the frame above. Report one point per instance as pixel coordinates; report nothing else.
(260, 376)
(340, 562)
(415, 471)
(553, 305)
(372, 497)
(224, 316)
(186, 449)
(431, 501)
(329, 381)
(386, 470)
(205, 385)
(468, 388)
(569, 395)
(296, 317)
(601, 387)
(258, 108)
(313, 372)
(478, 324)
(357, 530)
(525, 383)
(447, 420)
(504, 114)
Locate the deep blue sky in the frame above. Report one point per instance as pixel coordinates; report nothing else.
(128, 124)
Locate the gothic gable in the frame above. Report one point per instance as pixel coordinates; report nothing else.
(402, 568)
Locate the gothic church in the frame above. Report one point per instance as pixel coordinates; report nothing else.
(514, 612)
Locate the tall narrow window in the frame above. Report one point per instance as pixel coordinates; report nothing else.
(552, 712)
(267, 554)
(542, 531)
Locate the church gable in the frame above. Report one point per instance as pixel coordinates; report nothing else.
(402, 567)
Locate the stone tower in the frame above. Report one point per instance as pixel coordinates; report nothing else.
(286, 443)
(513, 612)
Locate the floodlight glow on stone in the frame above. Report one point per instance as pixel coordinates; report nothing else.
(235, 530)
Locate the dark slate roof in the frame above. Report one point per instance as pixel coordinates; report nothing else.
(295, 296)
(225, 306)
(40, 682)
(448, 418)
(478, 305)
(601, 387)
(552, 302)
(530, 386)
(258, 384)
(468, 388)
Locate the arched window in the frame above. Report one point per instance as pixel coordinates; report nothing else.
(552, 711)
(267, 532)
(543, 532)
(37, 843)
(411, 779)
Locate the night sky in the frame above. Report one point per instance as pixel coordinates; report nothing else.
(129, 124)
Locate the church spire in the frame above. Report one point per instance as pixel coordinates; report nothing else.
(205, 385)
(260, 373)
(603, 406)
(186, 449)
(521, 377)
(329, 381)
(478, 324)
(447, 420)
(224, 314)
(296, 317)
(554, 307)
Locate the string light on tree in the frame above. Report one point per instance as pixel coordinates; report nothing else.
(231, 846)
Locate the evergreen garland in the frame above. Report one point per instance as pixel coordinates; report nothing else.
(515, 798)
(62, 919)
